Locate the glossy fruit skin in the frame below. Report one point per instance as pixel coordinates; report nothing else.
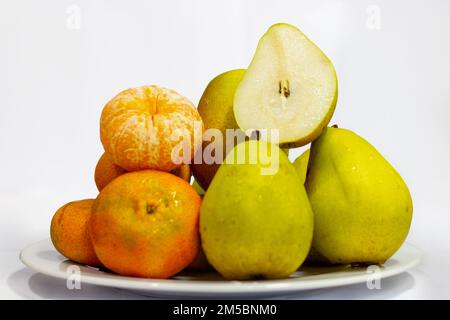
(70, 235)
(145, 224)
(362, 207)
(254, 225)
(216, 109)
(301, 165)
(106, 171)
(252, 87)
(140, 127)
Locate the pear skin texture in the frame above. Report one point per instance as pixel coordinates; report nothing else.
(216, 109)
(362, 207)
(301, 165)
(254, 225)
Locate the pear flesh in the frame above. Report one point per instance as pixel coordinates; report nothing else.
(362, 207)
(256, 225)
(290, 86)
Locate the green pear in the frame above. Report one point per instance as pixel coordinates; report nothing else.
(301, 165)
(362, 207)
(198, 188)
(216, 109)
(290, 86)
(255, 219)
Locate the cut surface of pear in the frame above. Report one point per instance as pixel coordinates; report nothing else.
(290, 86)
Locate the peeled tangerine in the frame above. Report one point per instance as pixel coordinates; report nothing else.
(290, 86)
(256, 222)
(145, 224)
(140, 127)
(362, 207)
(70, 233)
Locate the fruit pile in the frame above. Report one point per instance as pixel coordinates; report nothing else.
(250, 212)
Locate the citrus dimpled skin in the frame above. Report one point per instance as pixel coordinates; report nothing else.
(145, 224)
(106, 171)
(141, 126)
(69, 232)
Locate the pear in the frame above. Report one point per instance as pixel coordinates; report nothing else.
(254, 224)
(216, 109)
(362, 207)
(198, 188)
(301, 165)
(290, 86)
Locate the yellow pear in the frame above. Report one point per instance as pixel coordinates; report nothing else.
(301, 165)
(362, 207)
(256, 223)
(216, 109)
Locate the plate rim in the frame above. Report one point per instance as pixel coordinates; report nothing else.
(204, 287)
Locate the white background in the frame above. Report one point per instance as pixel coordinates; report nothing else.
(54, 80)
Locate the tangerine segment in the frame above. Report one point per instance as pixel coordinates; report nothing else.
(145, 224)
(70, 235)
(106, 171)
(141, 126)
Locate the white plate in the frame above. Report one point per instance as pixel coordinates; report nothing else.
(43, 258)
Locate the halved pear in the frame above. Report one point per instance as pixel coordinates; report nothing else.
(290, 85)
